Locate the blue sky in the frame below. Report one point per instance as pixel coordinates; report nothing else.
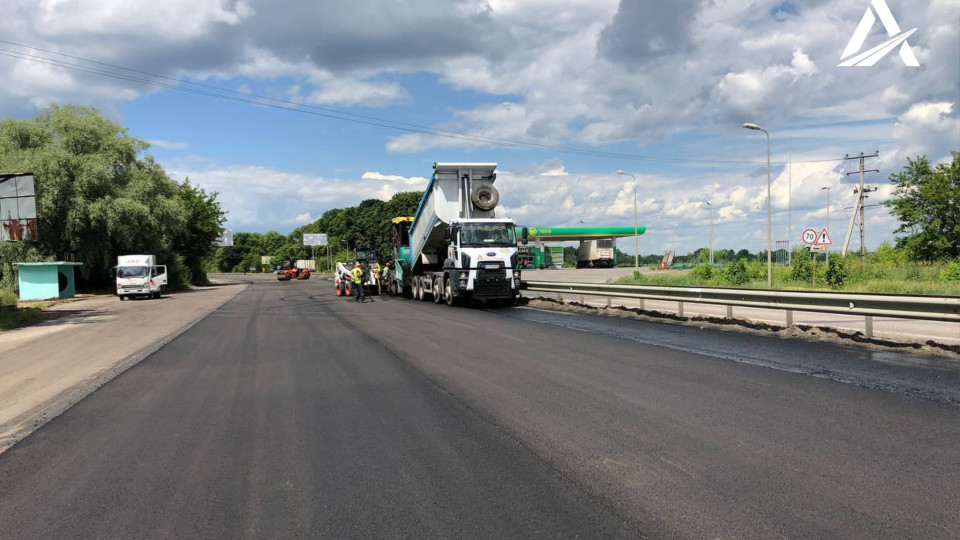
(670, 81)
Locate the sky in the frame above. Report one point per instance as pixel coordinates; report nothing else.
(326, 103)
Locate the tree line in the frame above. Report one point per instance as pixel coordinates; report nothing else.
(98, 195)
(365, 226)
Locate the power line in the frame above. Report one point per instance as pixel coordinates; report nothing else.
(181, 85)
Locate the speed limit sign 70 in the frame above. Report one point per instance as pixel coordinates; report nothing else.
(809, 236)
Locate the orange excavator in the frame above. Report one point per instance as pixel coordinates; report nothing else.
(288, 270)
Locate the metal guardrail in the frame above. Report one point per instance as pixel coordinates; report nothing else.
(930, 308)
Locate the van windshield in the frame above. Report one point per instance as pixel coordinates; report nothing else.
(132, 271)
(488, 234)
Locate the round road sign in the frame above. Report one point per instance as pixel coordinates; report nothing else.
(809, 236)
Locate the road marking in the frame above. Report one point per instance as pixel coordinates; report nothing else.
(677, 466)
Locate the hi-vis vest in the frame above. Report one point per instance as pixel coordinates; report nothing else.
(357, 274)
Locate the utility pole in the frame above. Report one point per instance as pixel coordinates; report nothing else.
(828, 219)
(863, 206)
(858, 205)
(789, 211)
(711, 230)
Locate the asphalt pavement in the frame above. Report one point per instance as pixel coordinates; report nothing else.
(289, 412)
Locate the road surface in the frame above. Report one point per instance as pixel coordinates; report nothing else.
(289, 412)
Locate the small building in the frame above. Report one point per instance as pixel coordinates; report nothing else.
(46, 280)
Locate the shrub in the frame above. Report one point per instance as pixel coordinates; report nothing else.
(8, 298)
(801, 271)
(757, 271)
(702, 272)
(735, 272)
(951, 272)
(836, 273)
(637, 276)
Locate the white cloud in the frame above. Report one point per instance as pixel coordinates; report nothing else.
(168, 145)
(413, 181)
(259, 198)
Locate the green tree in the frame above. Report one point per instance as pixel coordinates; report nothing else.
(204, 217)
(926, 202)
(96, 196)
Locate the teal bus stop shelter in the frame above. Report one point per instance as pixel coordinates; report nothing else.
(46, 280)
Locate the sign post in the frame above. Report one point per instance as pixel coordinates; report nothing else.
(818, 242)
(314, 240)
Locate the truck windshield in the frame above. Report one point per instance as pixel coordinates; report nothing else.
(132, 271)
(488, 234)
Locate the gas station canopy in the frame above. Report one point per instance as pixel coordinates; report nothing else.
(567, 234)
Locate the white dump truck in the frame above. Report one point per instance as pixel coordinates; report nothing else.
(139, 275)
(455, 249)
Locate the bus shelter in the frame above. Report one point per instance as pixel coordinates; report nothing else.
(46, 280)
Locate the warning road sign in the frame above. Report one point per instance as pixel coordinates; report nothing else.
(824, 238)
(810, 236)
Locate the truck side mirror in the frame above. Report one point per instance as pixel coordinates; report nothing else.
(525, 236)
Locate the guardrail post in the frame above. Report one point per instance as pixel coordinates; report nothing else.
(609, 300)
(729, 312)
(581, 299)
(789, 318)
(680, 310)
(641, 304)
(869, 326)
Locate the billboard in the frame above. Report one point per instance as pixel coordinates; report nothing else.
(18, 208)
(315, 239)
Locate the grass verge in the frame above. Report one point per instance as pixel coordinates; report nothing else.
(11, 316)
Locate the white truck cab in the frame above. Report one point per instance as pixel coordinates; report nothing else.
(139, 275)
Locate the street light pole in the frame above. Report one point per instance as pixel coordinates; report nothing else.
(636, 228)
(828, 219)
(711, 230)
(769, 208)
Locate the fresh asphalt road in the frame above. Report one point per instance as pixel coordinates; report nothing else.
(289, 412)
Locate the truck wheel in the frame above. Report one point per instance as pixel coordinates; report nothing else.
(122, 298)
(157, 294)
(448, 293)
(339, 290)
(348, 289)
(438, 290)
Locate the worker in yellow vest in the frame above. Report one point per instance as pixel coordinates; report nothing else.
(356, 275)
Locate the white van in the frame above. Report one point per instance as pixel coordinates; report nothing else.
(139, 275)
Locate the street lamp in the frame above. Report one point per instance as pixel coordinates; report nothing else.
(711, 230)
(636, 228)
(828, 219)
(769, 208)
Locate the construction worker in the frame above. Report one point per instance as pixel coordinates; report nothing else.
(377, 272)
(357, 277)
